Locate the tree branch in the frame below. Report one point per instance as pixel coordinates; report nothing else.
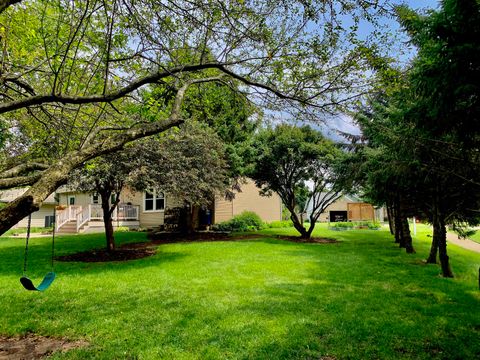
(19, 181)
(57, 174)
(4, 4)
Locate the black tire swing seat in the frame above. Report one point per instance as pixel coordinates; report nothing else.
(49, 277)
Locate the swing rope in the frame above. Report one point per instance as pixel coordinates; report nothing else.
(49, 277)
(26, 244)
(53, 232)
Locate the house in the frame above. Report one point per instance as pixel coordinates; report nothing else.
(349, 208)
(42, 218)
(82, 212)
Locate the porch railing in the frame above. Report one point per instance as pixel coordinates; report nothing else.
(122, 212)
(126, 212)
(82, 217)
(66, 215)
(94, 212)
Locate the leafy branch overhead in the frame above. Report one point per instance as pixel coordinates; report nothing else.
(73, 74)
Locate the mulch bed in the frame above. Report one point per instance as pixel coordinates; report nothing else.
(121, 254)
(31, 346)
(142, 250)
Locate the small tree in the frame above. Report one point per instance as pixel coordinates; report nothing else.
(186, 163)
(107, 176)
(287, 157)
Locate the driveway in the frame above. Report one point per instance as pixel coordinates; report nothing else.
(464, 243)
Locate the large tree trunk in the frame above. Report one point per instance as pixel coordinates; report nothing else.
(391, 224)
(407, 237)
(432, 256)
(107, 220)
(193, 219)
(304, 234)
(440, 228)
(398, 224)
(313, 221)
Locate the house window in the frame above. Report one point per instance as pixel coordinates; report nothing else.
(71, 200)
(154, 201)
(95, 199)
(49, 220)
(112, 199)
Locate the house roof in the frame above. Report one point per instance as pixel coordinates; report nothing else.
(9, 195)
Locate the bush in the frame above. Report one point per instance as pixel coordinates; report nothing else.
(342, 225)
(280, 224)
(246, 221)
(122, 229)
(371, 225)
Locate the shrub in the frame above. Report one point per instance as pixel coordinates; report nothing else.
(246, 221)
(371, 225)
(122, 229)
(341, 225)
(280, 224)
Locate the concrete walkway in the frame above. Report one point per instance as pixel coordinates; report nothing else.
(464, 243)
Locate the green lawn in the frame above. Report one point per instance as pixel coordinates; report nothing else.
(475, 237)
(362, 298)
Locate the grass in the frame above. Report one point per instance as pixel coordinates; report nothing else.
(362, 298)
(24, 230)
(475, 237)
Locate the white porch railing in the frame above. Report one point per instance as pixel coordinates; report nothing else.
(63, 216)
(94, 212)
(126, 212)
(82, 217)
(66, 215)
(122, 212)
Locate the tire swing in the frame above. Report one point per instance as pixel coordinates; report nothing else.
(50, 276)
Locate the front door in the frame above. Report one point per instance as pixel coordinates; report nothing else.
(71, 200)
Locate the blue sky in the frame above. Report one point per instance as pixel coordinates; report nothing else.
(343, 122)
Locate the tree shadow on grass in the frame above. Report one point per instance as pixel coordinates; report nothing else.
(71, 261)
(340, 306)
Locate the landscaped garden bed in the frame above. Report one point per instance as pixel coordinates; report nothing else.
(354, 225)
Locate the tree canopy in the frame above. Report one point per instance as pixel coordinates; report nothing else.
(73, 73)
(288, 156)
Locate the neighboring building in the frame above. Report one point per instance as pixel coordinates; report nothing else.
(82, 212)
(349, 208)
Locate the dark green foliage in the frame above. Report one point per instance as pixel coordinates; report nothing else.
(446, 73)
(280, 224)
(350, 225)
(285, 158)
(246, 221)
(423, 135)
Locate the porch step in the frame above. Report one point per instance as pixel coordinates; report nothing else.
(68, 228)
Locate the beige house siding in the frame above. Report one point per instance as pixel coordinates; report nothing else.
(269, 208)
(223, 210)
(38, 217)
(81, 199)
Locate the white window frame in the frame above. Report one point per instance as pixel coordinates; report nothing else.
(154, 193)
(93, 198)
(68, 200)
